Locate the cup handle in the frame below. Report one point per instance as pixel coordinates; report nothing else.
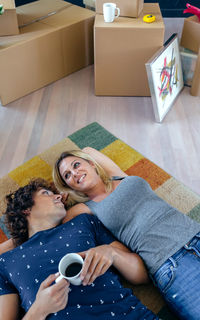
(118, 12)
(59, 278)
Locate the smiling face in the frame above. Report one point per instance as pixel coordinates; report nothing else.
(78, 173)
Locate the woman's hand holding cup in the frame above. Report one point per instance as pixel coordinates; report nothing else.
(96, 262)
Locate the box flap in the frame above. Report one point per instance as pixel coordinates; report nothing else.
(190, 37)
(193, 19)
(69, 16)
(38, 10)
(8, 4)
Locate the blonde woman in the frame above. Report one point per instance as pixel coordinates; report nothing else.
(167, 240)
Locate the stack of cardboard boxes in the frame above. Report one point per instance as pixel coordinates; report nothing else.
(46, 40)
(55, 39)
(122, 48)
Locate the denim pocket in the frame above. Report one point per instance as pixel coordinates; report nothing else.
(194, 245)
(165, 278)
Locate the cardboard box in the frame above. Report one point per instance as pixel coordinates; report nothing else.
(128, 8)
(195, 88)
(121, 50)
(190, 38)
(8, 20)
(46, 49)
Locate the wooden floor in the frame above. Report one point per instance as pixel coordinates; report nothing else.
(35, 122)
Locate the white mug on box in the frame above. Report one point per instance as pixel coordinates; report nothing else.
(109, 10)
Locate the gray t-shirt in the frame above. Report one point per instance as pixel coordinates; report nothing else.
(144, 222)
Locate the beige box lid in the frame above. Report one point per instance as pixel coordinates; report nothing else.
(8, 4)
(72, 15)
(39, 9)
(125, 22)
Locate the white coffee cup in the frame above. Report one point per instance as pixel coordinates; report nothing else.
(70, 267)
(109, 10)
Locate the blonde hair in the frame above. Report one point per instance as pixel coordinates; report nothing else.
(61, 185)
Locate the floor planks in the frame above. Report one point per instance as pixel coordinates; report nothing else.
(35, 122)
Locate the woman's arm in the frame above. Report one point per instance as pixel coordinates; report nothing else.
(75, 211)
(109, 166)
(6, 246)
(99, 259)
(129, 264)
(9, 307)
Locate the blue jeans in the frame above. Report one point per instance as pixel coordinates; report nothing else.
(178, 279)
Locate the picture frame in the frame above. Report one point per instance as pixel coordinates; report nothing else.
(165, 77)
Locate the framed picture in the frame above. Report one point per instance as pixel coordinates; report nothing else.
(165, 77)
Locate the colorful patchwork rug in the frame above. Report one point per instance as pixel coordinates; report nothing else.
(132, 162)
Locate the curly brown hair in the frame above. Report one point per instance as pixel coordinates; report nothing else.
(19, 201)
